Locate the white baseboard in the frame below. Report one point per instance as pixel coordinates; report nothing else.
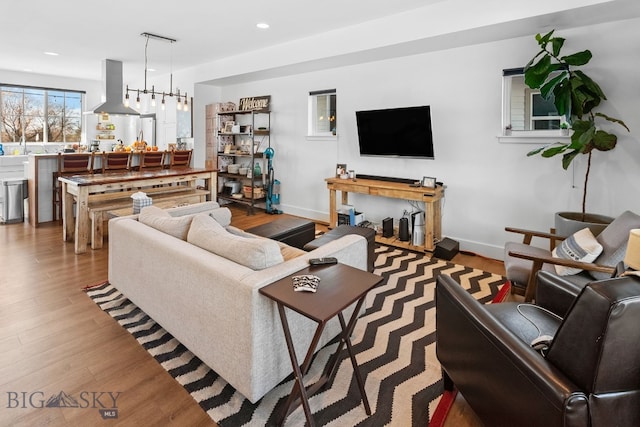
(490, 251)
(305, 213)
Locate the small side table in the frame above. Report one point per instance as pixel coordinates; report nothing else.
(340, 286)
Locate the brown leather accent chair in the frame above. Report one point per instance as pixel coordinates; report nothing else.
(588, 377)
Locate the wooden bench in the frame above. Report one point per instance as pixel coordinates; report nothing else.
(121, 203)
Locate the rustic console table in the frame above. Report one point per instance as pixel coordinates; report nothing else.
(431, 197)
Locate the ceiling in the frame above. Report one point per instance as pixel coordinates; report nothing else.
(83, 33)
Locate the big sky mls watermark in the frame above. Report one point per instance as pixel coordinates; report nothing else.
(106, 402)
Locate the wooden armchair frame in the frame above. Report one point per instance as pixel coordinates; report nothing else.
(538, 261)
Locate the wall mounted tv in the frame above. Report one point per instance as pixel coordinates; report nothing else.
(396, 132)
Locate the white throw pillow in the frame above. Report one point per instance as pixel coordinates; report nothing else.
(160, 219)
(580, 246)
(254, 253)
(222, 216)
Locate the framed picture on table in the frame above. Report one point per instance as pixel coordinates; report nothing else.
(428, 182)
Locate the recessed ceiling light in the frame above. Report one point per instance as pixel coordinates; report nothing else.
(51, 53)
(262, 25)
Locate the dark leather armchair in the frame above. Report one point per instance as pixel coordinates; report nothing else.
(590, 375)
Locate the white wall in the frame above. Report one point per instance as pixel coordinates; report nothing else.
(489, 185)
(92, 87)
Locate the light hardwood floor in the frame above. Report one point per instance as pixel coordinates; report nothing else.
(53, 338)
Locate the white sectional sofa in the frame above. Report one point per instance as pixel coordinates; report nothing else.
(210, 303)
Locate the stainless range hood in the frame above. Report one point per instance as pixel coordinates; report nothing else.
(112, 81)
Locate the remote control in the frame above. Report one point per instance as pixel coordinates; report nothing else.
(323, 261)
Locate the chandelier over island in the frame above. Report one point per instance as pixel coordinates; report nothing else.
(181, 99)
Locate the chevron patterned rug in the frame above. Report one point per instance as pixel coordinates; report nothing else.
(394, 341)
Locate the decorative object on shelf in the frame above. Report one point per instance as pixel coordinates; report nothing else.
(179, 97)
(575, 96)
(429, 182)
(222, 107)
(228, 127)
(245, 147)
(105, 127)
(341, 169)
(224, 162)
(235, 187)
(255, 103)
(258, 192)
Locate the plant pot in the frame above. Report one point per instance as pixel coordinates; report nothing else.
(567, 223)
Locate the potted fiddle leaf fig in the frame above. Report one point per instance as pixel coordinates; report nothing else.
(576, 97)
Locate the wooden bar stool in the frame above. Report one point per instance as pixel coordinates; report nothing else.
(68, 164)
(180, 159)
(116, 160)
(152, 160)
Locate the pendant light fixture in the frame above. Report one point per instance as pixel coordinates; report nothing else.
(181, 99)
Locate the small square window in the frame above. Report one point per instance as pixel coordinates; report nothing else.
(526, 115)
(322, 113)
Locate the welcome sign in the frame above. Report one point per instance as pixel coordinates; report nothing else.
(255, 103)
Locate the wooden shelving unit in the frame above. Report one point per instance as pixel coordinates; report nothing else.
(243, 144)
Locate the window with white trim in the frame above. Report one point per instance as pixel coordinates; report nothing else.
(40, 114)
(525, 113)
(322, 113)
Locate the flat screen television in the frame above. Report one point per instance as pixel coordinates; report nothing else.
(396, 132)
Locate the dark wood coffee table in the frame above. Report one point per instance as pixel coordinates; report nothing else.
(340, 286)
